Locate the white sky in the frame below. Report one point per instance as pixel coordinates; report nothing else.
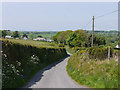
(60, 0)
(49, 1)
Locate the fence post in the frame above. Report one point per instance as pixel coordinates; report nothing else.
(109, 53)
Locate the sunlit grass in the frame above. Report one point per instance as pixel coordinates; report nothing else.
(33, 43)
(93, 73)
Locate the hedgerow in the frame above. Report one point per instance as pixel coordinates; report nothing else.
(21, 61)
(93, 73)
(99, 52)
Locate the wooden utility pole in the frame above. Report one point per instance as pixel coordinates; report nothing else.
(92, 33)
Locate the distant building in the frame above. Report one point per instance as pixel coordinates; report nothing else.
(118, 46)
(8, 37)
(25, 36)
(40, 39)
(49, 40)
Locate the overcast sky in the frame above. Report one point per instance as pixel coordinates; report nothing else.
(51, 16)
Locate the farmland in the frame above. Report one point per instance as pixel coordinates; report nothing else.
(33, 43)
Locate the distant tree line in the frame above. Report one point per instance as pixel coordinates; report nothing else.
(14, 34)
(30, 34)
(78, 38)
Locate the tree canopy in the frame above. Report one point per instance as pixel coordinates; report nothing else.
(78, 38)
(16, 34)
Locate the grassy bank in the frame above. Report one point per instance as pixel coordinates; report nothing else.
(93, 73)
(22, 59)
(33, 43)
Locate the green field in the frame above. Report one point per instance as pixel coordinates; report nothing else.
(33, 43)
(35, 34)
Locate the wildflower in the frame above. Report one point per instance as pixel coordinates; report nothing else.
(17, 71)
(5, 55)
(22, 76)
(19, 64)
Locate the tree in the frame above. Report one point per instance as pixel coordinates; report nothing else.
(97, 41)
(39, 36)
(8, 32)
(16, 34)
(4, 33)
(62, 36)
(76, 38)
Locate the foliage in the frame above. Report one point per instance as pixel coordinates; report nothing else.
(93, 73)
(78, 48)
(69, 50)
(16, 34)
(96, 41)
(34, 43)
(39, 36)
(5, 32)
(34, 34)
(99, 53)
(76, 38)
(61, 45)
(20, 61)
(111, 37)
(61, 37)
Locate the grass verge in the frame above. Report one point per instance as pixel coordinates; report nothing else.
(93, 73)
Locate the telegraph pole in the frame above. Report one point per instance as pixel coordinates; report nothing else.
(92, 32)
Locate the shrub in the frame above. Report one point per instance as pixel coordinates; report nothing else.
(61, 45)
(78, 48)
(51, 44)
(100, 53)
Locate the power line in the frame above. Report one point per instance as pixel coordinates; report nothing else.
(106, 14)
(100, 17)
(87, 23)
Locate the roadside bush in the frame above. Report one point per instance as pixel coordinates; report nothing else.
(100, 53)
(78, 48)
(61, 45)
(116, 52)
(52, 44)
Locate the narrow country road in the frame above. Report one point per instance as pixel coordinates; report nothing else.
(53, 76)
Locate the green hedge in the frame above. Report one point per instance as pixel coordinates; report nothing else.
(21, 62)
(61, 45)
(99, 52)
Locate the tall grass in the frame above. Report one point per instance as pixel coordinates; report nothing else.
(93, 73)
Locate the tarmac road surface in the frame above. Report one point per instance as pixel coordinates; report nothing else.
(53, 76)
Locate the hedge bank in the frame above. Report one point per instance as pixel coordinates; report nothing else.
(93, 73)
(22, 61)
(100, 52)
